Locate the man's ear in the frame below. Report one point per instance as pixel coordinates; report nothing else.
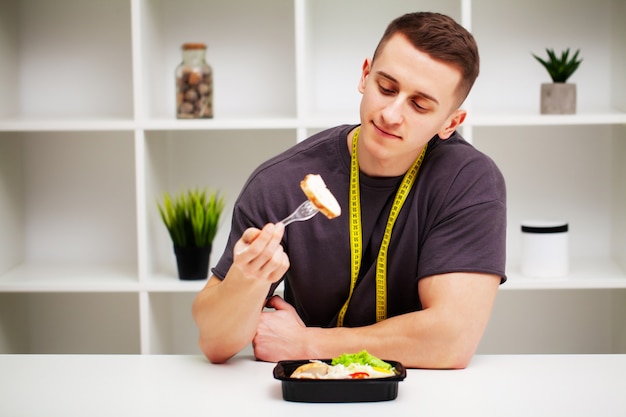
(453, 122)
(365, 71)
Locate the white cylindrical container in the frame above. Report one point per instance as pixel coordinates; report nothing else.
(545, 249)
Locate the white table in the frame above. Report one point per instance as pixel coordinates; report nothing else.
(173, 385)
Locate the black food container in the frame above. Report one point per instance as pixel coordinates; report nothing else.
(337, 390)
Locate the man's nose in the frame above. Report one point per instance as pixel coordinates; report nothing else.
(393, 111)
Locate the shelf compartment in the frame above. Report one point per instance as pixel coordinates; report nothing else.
(250, 48)
(169, 282)
(510, 77)
(12, 220)
(223, 123)
(172, 329)
(74, 323)
(69, 278)
(89, 76)
(618, 236)
(549, 178)
(481, 119)
(584, 273)
(33, 124)
(567, 321)
(216, 159)
(70, 200)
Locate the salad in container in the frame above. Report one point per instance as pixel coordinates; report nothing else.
(351, 377)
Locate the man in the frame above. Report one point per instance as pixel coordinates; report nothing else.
(411, 268)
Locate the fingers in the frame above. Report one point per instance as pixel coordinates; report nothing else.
(246, 239)
(259, 252)
(258, 246)
(277, 266)
(278, 303)
(250, 235)
(280, 333)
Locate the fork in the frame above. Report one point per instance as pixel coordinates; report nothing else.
(304, 212)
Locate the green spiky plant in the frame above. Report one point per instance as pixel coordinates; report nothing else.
(191, 217)
(560, 68)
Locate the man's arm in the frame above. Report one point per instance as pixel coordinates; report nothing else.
(445, 334)
(227, 311)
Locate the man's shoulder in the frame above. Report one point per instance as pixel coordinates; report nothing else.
(316, 154)
(454, 165)
(455, 152)
(307, 153)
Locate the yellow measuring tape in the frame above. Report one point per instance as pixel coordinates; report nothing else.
(356, 237)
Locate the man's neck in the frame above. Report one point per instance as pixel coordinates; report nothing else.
(376, 167)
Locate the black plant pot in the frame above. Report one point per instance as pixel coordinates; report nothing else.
(193, 262)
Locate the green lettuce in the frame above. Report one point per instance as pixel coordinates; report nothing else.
(363, 358)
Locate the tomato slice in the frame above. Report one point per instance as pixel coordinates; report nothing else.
(359, 375)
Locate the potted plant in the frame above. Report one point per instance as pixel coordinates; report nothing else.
(192, 219)
(559, 97)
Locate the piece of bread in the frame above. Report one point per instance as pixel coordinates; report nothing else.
(315, 189)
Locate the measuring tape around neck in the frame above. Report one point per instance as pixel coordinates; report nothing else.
(356, 238)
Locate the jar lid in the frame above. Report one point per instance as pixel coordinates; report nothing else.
(540, 226)
(194, 45)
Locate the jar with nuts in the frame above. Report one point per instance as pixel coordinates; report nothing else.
(194, 84)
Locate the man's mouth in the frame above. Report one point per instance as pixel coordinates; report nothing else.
(385, 133)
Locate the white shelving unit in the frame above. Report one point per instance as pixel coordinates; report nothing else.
(89, 141)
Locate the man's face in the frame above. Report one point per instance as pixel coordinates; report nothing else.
(407, 98)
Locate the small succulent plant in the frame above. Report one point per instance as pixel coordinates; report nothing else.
(560, 68)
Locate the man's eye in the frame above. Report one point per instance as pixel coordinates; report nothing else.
(386, 91)
(418, 107)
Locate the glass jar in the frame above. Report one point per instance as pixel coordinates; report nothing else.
(194, 84)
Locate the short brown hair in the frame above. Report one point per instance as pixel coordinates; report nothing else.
(443, 39)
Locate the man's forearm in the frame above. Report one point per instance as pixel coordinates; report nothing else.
(445, 334)
(227, 314)
(402, 338)
(413, 339)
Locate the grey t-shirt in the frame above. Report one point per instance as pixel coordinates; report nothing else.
(453, 220)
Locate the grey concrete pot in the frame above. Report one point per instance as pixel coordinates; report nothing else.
(558, 98)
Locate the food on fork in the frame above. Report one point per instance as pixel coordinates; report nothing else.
(315, 189)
